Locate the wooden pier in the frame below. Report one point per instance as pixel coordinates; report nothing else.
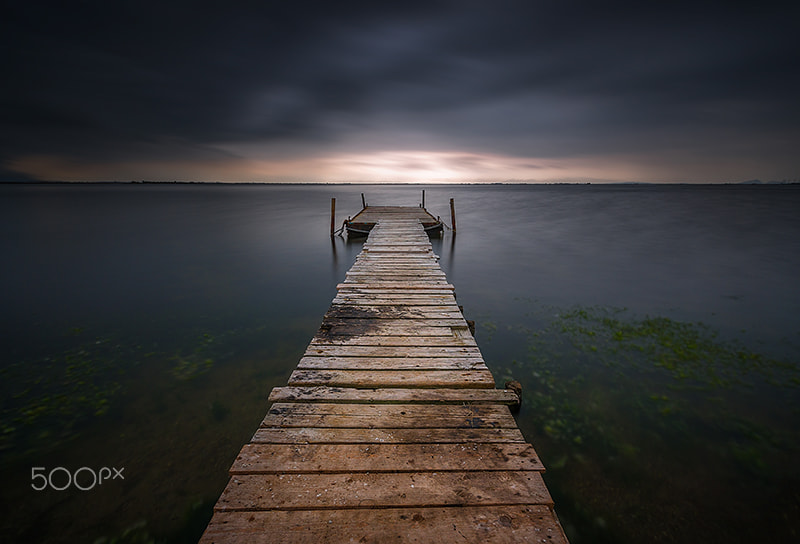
(367, 218)
(391, 428)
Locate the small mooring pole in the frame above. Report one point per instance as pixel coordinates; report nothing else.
(423, 199)
(333, 216)
(363, 201)
(453, 214)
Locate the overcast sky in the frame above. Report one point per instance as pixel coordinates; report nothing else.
(400, 91)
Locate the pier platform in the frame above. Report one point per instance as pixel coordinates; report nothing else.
(363, 222)
(391, 428)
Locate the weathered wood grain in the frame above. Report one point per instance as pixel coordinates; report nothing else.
(346, 458)
(388, 326)
(408, 286)
(393, 395)
(454, 340)
(382, 490)
(393, 298)
(391, 351)
(392, 363)
(396, 311)
(427, 379)
(385, 416)
(322, 435)
(467, 524)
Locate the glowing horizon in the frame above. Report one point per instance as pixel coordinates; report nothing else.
(399, 166)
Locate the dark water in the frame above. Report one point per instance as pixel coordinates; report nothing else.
(656, 330)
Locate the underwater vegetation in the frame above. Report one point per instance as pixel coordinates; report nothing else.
(589, 367)
(186, 367)
(686, 351)
(627, 397)
(52, 395)
(47, 400)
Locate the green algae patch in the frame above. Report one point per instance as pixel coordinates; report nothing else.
(588, 367)
(47, 401)
(684, 351)
(50, 397)
(630, 406)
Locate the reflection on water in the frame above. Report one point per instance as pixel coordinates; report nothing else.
(655, 330)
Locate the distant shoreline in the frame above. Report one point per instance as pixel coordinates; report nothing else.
(352, 183)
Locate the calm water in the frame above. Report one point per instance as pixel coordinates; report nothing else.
(656, 331)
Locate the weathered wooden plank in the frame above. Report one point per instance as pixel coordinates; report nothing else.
(393, 396)
(400, 264)
(394, 298)
(401, 309)
(418, 341)
(400, 244)
(333, 458)
(397, 259)
(376, 416)
(484, 524)
(396, 311)
(399, 270)
(404, 251)
(410, 255)
(466, 379)
(379, 330)
(398, 285)
(426, 379)
(317, 435)
(350, 285)
(388, 326)
(390, 351)
(382, 490)
(392, 363)
(395, 276)
(398, 293)
(398, 254)
(398, 237)
(416, 272)
(399, 250)
(359, 319)
(399, 411)
(419, 266)
(384, 216)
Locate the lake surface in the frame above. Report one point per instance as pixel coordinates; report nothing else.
(655, 330)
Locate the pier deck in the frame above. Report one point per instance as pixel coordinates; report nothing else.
(366, 219)
(390, 428)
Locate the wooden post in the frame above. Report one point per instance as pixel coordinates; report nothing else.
(333, 215)
(423, 199)
(363, 201)
(453, 214)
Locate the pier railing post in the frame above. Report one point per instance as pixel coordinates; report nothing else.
(333, 216)
(453, 214)
(363, 201)
(423, 199)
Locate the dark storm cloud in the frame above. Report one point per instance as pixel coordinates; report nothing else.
(159, 80)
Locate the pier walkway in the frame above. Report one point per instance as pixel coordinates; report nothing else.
(391, 428)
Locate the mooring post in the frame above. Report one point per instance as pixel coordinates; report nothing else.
(453, 214)
(363, 201)
(423, 199)
(333, 216)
